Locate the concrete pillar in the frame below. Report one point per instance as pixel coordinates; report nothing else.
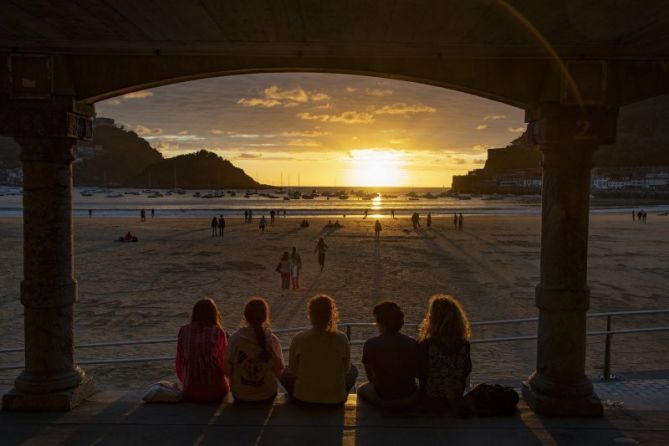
(51, 380)
(567, 137)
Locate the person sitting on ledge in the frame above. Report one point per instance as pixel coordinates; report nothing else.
(201, 355)
(255, 360)
(444, 354)
(390, 361)
(319, 366)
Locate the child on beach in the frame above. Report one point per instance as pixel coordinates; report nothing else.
(201, 354)
(284, 268)
(255, 360)
(295, 268)
(390, 361)
(444, 353)
(319, 367)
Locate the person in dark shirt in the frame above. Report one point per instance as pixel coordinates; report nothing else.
(390, 361)
(444, 354)
(221, 225)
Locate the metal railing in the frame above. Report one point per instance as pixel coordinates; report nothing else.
(348, 326)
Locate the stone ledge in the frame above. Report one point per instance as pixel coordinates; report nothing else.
(63, 400)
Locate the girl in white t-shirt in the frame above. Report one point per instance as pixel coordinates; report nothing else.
(255, 360)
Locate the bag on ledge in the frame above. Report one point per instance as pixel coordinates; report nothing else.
(489, 400)
(163, 392)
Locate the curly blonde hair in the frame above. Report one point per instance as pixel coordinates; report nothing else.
(323, 313)
(445, 323)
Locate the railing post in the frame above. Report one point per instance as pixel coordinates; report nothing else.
(348, 332)
(607, 350)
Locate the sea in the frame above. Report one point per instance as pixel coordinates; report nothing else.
(319, 202)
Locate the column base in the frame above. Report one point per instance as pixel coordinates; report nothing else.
(62, 400)
(564, 405)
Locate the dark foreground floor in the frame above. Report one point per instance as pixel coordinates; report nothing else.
(636, 412)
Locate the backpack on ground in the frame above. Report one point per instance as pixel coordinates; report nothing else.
(492, 399)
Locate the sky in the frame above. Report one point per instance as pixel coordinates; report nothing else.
(322, 129)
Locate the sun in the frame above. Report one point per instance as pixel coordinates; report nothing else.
(377, 167)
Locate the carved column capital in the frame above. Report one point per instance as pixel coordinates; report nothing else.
(557, 124)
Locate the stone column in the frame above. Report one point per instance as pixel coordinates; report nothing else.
(567, 137)
(51, 380)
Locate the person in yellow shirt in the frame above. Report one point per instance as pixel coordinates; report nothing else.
(319, 366)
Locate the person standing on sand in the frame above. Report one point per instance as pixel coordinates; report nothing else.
(246, 216)
(321, 248)
(455, 221)
(283, 268)
(365, 214)
(250, 216)
(221, 225)
(214, 226)
(271, 217)
(90, 213)
(153, 212)
(460, 222)
(142, 215)
(392, 213)
(262, 224)
(429, 220)
(633, 215)
(295, 268)
(377, 229)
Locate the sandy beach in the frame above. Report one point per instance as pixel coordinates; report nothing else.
(134, 291)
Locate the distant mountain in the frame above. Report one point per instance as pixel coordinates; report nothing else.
(113, 158)
(200, 170)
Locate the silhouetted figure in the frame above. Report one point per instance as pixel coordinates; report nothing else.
(455, 220)
(444, 354)
(365, 216)
(460, 222)
(262, 224)
(633, 215)
(214, 227)
(377, 229)
(221, 225)
(639, 214)
(246, 216)
(429, 219)
(391, 362)
(644, 216)
(271, 217)
(153, 212)
(90, 213)
(392, 213)
(250, 216)
(415, 220)
(283, 268)
(295, 268)
(321, 248)
(142, 215)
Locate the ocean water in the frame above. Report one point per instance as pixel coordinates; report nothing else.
(126, 202)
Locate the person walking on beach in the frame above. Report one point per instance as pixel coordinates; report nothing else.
(633, 215)
(365, 215)
(295, 268)
(271, 217)
(221, 225)
(153, 212)
(429, 220)
(460, 222)
(321, 247)
(262, 224)
(142, 215)
(250, 216)
(392, 213)
(644, 216)
(377, 229)
(214, 227)
(283, 268)
(455, 221)
(90, 213)
(415, 220)
(246, 216)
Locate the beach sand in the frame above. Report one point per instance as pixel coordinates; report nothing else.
(134, 291)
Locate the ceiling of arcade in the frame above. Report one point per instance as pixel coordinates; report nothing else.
(507, 50)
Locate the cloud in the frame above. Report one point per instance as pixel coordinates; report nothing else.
(493, 117)
(183, 132)
(146, 131)
(378, 92)
(479, 161)
(303, 143)
(458, 161)
(304, 134)
(249, 156)
(172, 137)
(480, 147)
(348, 117)
(275, 96)
(217, 132)
(113, 102)
(351, 89)
(138, 95)
(516, 129)
(481, 127)
(400, 108)
(327, 106)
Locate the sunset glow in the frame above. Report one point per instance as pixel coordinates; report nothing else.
(377, 167)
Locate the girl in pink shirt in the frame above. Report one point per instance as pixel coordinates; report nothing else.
(201, 355)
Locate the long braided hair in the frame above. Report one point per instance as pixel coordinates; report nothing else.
(256, 314)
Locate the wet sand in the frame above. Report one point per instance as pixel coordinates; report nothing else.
(133, 291)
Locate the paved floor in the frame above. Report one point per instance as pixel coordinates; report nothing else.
(636, 412)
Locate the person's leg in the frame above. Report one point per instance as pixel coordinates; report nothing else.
(287, 380)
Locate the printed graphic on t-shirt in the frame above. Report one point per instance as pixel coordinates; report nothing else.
(253, 369)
